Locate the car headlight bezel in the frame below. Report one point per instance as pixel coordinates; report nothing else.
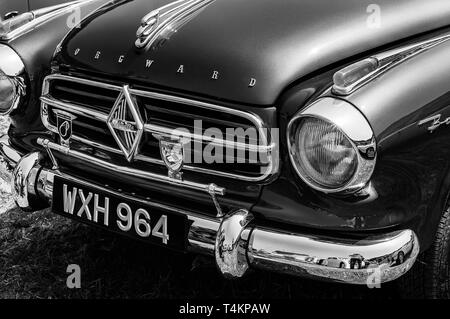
(12, 79)
(353, 125)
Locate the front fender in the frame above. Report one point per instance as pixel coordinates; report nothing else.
(411, 181)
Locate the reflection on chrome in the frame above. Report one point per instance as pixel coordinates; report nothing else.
(336, 259)
(237, 241)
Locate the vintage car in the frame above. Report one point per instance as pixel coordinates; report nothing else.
(270, 135)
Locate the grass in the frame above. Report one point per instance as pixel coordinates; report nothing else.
(36, 248)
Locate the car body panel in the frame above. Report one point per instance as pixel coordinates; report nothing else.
(412, 167)
(276, 52)
(293, 60)
(13, 5)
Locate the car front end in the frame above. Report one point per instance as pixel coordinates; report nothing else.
(260, 149)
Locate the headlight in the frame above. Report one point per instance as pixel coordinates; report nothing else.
(12, 83)
(325, 153)
(332, 147)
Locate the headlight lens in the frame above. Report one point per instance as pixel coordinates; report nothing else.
(332, 146)
(12, 85)
(324, 153)
(7, 93)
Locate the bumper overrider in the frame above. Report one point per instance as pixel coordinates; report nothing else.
(237, 242)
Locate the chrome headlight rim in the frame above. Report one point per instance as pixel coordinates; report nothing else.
(352, 123)
(13, 68)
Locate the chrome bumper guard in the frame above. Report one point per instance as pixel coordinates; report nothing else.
(238, 243)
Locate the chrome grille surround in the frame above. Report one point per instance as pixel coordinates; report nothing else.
(266, 146)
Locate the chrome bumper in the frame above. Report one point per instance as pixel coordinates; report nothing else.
(238, 243)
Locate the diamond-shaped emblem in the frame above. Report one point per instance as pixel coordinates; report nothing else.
(126, 124)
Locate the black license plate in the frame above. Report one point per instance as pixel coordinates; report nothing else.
(94, 206)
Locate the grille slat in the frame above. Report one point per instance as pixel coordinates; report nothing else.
(92, 102)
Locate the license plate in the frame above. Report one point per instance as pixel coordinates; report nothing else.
(93, 206)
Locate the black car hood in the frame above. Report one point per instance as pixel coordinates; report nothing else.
(276, 42)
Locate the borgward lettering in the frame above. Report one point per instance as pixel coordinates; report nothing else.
(435, 122)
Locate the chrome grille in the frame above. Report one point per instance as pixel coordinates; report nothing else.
(92, 101)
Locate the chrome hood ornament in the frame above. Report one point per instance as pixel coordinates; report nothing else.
(163, 22)
(126, 124)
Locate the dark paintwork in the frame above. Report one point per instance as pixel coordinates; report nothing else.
(411, 180)
(276, 42)
(310, 42)
(13, 5)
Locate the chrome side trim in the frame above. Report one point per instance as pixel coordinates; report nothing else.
(390, 59)
(266, 147)
(354, 125)
(33, 19)
(130, 171)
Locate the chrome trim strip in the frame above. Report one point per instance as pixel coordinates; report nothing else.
(148, 128)
(41, 16)
(101, 117)
(176, 12)
(129, 171)
(390, 59)
(354, 125)
(270, 149)
(238, 241)
(139, 157)
(256, 120)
